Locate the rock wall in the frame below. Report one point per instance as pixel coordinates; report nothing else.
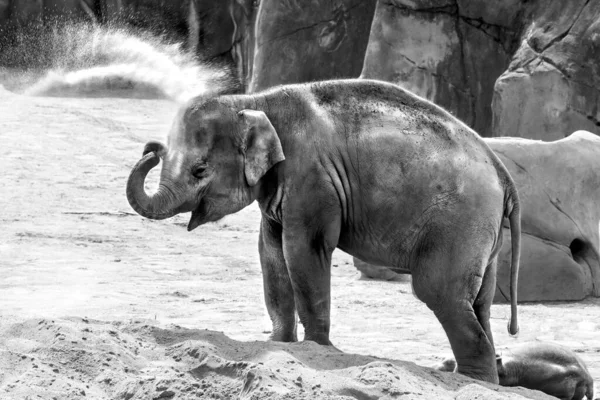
(222, 31)
(166, 17)
(506, 68)
(551, 85)
(434, 50)
(559, 188)
(300, 42)
(24, 12)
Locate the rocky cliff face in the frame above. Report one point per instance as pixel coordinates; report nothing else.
(299, 42)
(437, 51)
(222, 31)
(275, 42)
(551, 85)
(506, 68)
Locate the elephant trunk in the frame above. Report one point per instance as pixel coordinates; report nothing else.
(164, 203)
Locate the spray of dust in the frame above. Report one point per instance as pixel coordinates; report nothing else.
(89, 60)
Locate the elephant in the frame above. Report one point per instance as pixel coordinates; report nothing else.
(360, 165)
(548, 367)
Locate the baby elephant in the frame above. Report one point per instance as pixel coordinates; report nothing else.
(548, 367)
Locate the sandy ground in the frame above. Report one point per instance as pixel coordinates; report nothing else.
(97, 302)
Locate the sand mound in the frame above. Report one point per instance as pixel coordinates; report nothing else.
(74, 358)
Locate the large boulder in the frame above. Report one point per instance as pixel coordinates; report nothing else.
(24, 12)
(559, 188)
(300, 41)
(165, 18)
(274, 42)
(551, 85)
(222, 31)
(428, 48)
(506, 68)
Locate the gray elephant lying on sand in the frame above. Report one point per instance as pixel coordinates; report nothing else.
(548, 367)
(360, 165)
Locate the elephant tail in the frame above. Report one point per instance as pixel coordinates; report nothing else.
(513, 212)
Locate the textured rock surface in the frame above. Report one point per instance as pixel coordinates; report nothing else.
(506, 68)
(23, 12)
(559, 187)
(165, 17)
(275, 42)
(223, 31)
(551, 85)
(433, 49)
(299, 42)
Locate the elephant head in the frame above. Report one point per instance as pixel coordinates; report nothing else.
(212, 165)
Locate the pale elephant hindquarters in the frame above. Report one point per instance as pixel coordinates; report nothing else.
(559, 191)
(361, 165)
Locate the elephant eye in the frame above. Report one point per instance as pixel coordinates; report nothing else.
(199, 170)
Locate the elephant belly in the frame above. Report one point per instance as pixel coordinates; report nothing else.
(375, 252)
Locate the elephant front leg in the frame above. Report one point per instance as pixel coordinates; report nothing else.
(279, 296)
(308, 257)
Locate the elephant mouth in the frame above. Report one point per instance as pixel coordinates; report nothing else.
(198, 217)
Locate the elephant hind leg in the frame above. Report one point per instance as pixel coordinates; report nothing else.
(474, 352)
(449, 283)
(485, 297)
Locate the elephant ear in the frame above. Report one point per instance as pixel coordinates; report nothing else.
(499, 365)
(261, 143)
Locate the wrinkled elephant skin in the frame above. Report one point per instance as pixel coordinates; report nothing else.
(360, 165)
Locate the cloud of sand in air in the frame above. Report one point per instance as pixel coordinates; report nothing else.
(87, 60)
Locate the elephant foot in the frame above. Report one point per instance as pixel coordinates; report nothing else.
(281, 336)
(318, 338)
(479, 374)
